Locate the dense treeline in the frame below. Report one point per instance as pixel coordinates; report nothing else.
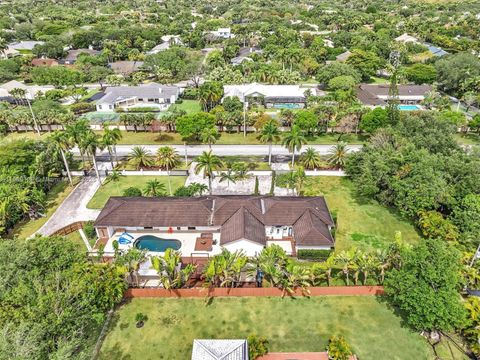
(417, 167)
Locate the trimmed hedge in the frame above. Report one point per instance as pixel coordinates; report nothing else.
(313, 254)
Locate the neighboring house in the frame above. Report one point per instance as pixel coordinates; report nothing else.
(378, 94)
(343, 56)
(148, 95)
(44, 62)
(436, 51)
(205, 225)
(405, 38)
(222, 33)
(9, 53)
(270, 96)
(30, 90)
(244, 54)
(25, 46)
(72, 55)
(213, 349)
(168, 40)
(125, 68)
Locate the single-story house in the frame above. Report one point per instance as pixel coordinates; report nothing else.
(125, 68)
(168, 40)
(72, 55)
(9, 53)
(435, 50)
(30, 90)
(221, 33)
(220, 349)
(244, 54)
(270, 96)
(207, 224)
(343, 56)
(25, 45)
(44, 62)
(405, 38)
(378, 94)
(147, 95)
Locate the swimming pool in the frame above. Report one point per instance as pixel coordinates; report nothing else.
(408, 107)
(156, 244)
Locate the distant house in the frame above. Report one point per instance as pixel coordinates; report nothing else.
(148, 95)
(44, 62)
(221, 33)
(125, 68)
(405, 38)
(168, 40)
(9, 53)
(214, 349)
(72, 55)
(343, 56)
(25, 46)
(436, 51)
(378, 94)
(270, 96)
(244, 54)
(30, 90)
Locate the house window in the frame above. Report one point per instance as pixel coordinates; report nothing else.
(179, 228)
(192, 228)
(147, 227)
(140, 99)
(151, 100)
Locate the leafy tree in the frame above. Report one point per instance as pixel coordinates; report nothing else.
(421, 73)
(425, 287)
(467, 216)
(306, 121)
(343, 82)
(453, 71)
(336, 69)
(434, 226)
(192, 125)
(373, 120)
(365, 62)
(132, 192)
(56, 75)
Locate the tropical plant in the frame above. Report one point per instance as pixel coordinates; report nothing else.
(228, 176)
(209, 136)
(90, 143)
(347, 262)
(338, 348)
(167, 158)
(129, 263)
(63, 144)
(338, 155)
(208, 163)
(140, 157)
(293, 141)
(224, 269)
(257, 346)
(168, 267)
(109, 140)
(270, 134)
(154, 188)
(311, 159)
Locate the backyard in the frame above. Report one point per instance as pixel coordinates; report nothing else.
(301, 324)
(116, 188)
(361, 222)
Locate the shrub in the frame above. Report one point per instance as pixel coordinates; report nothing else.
(313, 254)
(190, 94)
(82, 108)
(338, 348)
(256, 190)
(140, 109)
(257, 346)
(132, 191)
(141, 317)
(89, 230)
(179, 101)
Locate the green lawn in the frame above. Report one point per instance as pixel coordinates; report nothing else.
(361, 222)
(190, 106)
(55, 197)
(468, 139)
(300, 324)
(116, 188)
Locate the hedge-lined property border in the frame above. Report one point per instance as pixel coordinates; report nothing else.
(255, 292)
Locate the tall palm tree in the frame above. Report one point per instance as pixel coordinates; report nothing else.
(110, 139)
(228, 176)
(270, 134)
(209, 136)
(208, 163)
(63, 144)
(293, 141)
(91, 143)
(22, 94)
(114, 177)
(210, 94)
(130, 261)
(338, 155)
(167, 158)
(140, 157)
(76, 132)
(311, 159)
(154, 188)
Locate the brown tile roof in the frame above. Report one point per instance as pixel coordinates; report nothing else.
(44, 62)
(243, 225)
(368, 93)
(309, 229)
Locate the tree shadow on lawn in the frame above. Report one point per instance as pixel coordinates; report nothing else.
(384, 300)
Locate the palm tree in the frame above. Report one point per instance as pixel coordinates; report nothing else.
(63, 144)
(130, 261)
(209, 136)
(154, 188)
(224, 269)
(140, 157)
(167, 158)
(338, 155)
(269, 134)
(109, 140)
(293, 141)
(76, 132)
(367, 263)
(228, 176)
(90, 143)
(311, 159)
(168, 269)
(346, 260)
(208, 163)
(21, 94)
(210, 94)
(114, 177)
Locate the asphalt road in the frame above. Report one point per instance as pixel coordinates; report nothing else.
(223, 150)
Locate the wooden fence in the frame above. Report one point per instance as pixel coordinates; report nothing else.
(69, 228)
(255, 292)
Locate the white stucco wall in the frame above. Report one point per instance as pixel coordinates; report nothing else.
(249, 247)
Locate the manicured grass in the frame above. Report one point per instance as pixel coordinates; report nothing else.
(301, 324)
(55, 197)
(190, 106)
(22, 135)
(116, 188)
(361, 222)
(76, 238)
(468, 139)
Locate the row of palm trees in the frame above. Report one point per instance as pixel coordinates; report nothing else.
(272, 266)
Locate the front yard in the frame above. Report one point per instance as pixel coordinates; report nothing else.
(116, 188)
(361, 222)
(300, 324)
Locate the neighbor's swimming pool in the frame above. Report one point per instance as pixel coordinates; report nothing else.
(156, 244)
(408, 107)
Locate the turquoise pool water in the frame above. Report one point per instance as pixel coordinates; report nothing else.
(286, 106)
(156, 244)
(408, 107)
